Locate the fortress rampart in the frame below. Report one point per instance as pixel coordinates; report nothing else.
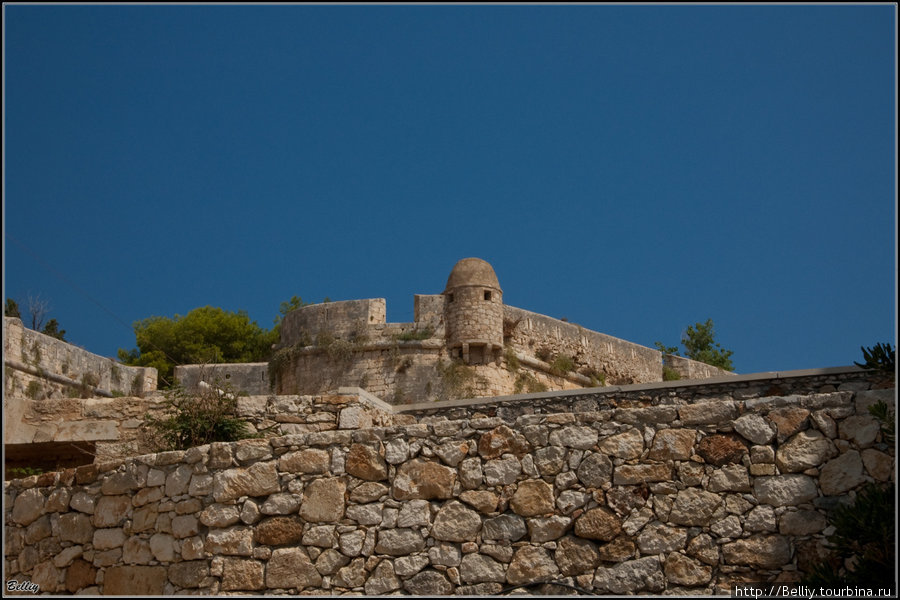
(462, 343)
(675, 488)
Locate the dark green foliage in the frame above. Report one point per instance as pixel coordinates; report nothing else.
(205, 335)
(33, 390)
(21, 472)
(880, 411)
(89, 381)
(561, 364)
(195, 419)
(864, 532)
(699, 344)
(881, 357)
(666, 349)
(52, 329)
(416, 334)
(12, 309)
(670, 374)
(293, 304)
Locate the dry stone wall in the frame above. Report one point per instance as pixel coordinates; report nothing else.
(672, 497)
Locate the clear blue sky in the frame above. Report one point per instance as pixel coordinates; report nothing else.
(634, 169)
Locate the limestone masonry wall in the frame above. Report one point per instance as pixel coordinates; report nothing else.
(657, 491)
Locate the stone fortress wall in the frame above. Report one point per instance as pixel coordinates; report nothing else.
(56, 398)
(681, 487)
(462, 343)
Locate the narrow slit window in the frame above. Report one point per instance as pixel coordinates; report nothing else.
(449, 297)
(487, 295)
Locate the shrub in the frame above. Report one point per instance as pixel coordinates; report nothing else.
(512, 361)
(561, 365)
(528, 383)
(544, 353)
(862, 544)
(880, 411)
(197, 418)
(33, 390)
(21, 472)
(416, 334)
(89, 381)
(880, 357)
(457, 380)
(670, 374)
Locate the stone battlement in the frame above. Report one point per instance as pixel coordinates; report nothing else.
(463, 342)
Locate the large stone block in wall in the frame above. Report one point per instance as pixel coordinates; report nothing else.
(420, 479)
(763, 551)
(134, 581)
(323, 501)
(531, 564)
(259, 479)
(785, 490)
(696, 507)
(672, 444)
(456, 523)
(366, 462)
(631, 576)
(842, 474)
(290, 568)
(502, 440)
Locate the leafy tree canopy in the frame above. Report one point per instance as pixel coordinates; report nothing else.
(700, 345)
(52, 329)
(204, 335)
(12, 309)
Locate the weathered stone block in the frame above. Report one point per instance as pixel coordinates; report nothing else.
(785, 490)
(531, 564)
(598, 524)
(641, 473)
(240, 574)
(721, 449)
(631, 576)
(532, 498)
(763, 551)
(842, 474)
(672, 444)
(259, 479)
(323, 500)
(681, 570)
(422, 479)
(807, 449)
(366, 462)
(399, 542)
(695, 507)
(134, 581)
(291, 568)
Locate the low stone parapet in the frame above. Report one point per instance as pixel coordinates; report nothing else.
(667, 498)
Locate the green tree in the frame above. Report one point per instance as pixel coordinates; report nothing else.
(699, 344)
(52, 329)
(12, 309)
(666, 349)
(293, 304)
(204, 335)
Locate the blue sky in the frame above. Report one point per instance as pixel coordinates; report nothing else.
(634, 169)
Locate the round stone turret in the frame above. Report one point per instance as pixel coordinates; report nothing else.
(474, 312)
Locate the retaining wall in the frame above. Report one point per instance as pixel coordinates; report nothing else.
(673, 495)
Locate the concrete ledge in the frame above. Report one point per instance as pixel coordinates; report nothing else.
(606, 390)
(366, 398)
